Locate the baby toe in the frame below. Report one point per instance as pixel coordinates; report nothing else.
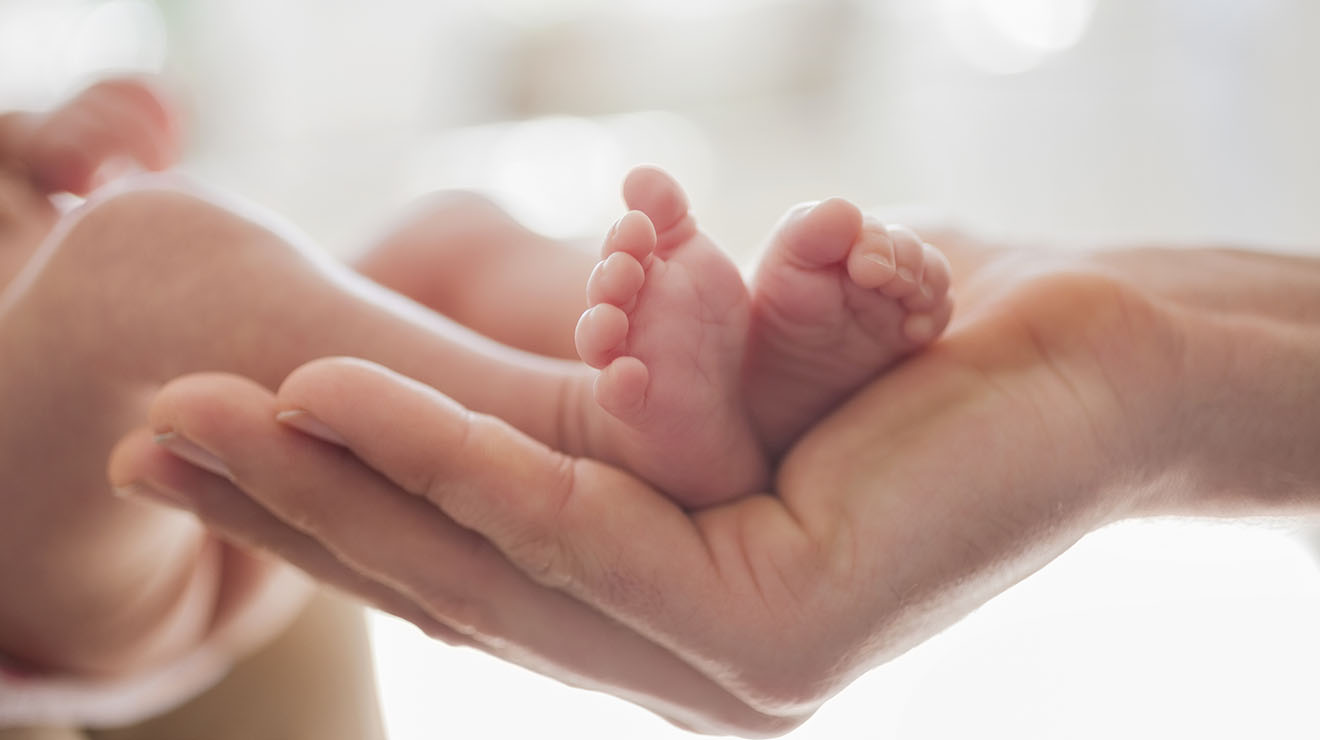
(909, 263)
(819, 234)
(654, 192)
(621, 387)
(934, 285)
(923, 327)
(616, 281)
(870, 261)
(600, 334)
(633, 234)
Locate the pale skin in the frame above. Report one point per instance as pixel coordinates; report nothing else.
(81, 596)
(1070, 392)
(155, 280)
(139, 287)
(710, 380)
(65, 149)
(69, 549)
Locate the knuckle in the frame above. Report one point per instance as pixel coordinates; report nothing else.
(542, 556)
(540, 545)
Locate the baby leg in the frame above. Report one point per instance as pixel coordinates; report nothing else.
(462, 255)
(134, 290)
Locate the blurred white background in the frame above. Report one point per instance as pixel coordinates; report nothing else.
(1060, 120)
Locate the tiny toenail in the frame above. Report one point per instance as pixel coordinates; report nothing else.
(906, 275)
(925, 290)
(880, 259)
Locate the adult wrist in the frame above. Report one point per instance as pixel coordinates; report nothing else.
(1241, 434)
(1256, 416)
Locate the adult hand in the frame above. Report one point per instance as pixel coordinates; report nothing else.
(1069, 393)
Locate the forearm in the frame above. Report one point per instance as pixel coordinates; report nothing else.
(1245, 437)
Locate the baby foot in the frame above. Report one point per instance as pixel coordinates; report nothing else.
(667, 325)
(838, 298)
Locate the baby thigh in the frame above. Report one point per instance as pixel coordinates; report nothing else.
(123, 295)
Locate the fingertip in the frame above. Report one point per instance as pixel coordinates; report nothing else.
(312, 377)
(129, 459)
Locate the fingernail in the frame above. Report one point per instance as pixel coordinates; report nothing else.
(189, 451)
(143, 491)
(308, 424)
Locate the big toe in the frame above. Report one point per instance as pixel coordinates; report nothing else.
(818, 234)
(656, 193)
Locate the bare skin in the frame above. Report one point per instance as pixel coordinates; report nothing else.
(70, 149)
(148, 283)
(116, 125)
(64, 150)
(142, 310)
(1070, 391)
(461, 255)
(709, 381)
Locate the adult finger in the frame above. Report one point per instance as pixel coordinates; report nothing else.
(141, 468)
(713, 587)
(547, 512)
(394, 538)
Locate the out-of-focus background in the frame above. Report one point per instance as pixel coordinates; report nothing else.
(1067, 121)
